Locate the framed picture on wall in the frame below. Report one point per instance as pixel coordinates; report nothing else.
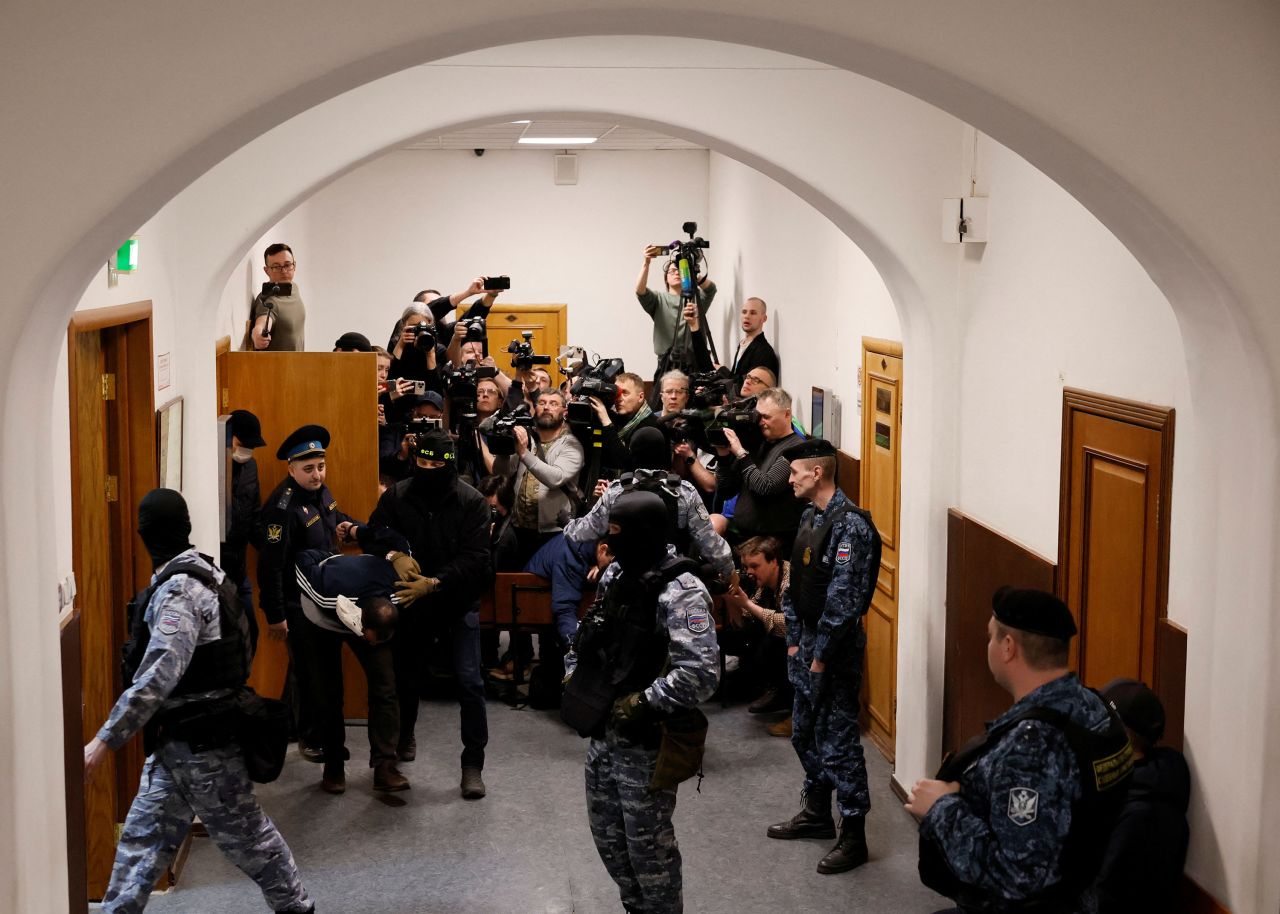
(169, 444)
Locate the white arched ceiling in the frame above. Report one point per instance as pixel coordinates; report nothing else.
(1186, 186)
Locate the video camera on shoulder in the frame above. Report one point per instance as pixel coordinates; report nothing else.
(712, 389)
(741, 416)
(689, 425)
(596, 380)
(522, 354)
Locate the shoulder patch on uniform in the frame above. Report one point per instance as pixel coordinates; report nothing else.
(275, 533)
(170, 621)
(842, 553)
(698, 621)
(1023, 803)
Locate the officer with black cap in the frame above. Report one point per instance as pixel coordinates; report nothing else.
(300, 513)
(446, 523)
(244, 434)
(834, 565)
(1019, 819)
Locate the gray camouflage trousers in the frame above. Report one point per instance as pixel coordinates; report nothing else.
(178, 784)
(632, 826)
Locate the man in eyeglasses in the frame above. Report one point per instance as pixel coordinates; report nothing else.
(277, 317)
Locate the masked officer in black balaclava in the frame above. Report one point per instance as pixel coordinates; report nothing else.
(447, 525)
(188, 656)
(643, 658)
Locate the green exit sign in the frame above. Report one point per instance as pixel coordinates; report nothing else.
(127, 257)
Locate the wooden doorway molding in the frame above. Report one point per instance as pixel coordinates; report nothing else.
(1113, 531)
(881, 489)
(113, 464)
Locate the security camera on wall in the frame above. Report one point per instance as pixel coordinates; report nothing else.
(824, 415)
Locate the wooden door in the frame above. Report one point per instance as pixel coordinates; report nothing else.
(286, 390)
(881, 487)
(112, 466)
(1117, 474)
(507, 322)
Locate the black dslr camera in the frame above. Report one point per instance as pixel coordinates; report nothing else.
(424, 337)
(477, 332)
(594, 381)
(500, 434)
(741, 416)
(522, 356)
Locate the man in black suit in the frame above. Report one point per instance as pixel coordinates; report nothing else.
(754, 351)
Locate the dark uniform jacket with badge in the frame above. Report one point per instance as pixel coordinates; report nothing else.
(833, 572)
(1004, 836)
(449, 537)
(293, 519)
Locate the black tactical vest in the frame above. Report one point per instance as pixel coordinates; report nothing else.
(1105, 761)
(667, 487)
(810, 571)
(621, 646)
(221, 664)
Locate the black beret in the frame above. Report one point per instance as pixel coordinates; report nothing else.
(308, 440)
(1138, 707)
(1033, 611)
(435, 444)
(246, 427)
(809, 449)
(352, 342)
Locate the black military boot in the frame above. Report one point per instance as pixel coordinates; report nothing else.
(851, 850)
(812, 821)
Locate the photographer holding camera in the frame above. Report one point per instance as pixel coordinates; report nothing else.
(277, 316)
(545, 474)
(760, 478)
(632, 414)
(672, 343)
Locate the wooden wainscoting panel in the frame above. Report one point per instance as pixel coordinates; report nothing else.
(1171, 678)
(73, 760)
(979, 561)
(848, 475)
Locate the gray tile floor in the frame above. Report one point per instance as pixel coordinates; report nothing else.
(526, 849)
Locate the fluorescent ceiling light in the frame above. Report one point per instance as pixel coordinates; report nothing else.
(557, 140)
(522, 122)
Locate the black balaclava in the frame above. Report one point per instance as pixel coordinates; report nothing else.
(164, 525)
(650, 450)
(641, 540)
(434, 483)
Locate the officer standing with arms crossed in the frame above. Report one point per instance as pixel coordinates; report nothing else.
(1019, 819)
(197, 655)
(644, 657)
(833, 571)
(300, 513)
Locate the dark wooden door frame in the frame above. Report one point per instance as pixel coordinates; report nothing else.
(1157, 418)
(125, 433)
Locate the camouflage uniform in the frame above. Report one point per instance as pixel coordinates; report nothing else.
(1003, 834)
(825, 730)
(691, 516)
(630, 823)
(177, 782)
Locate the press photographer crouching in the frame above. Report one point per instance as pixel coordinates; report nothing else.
(759, 476)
